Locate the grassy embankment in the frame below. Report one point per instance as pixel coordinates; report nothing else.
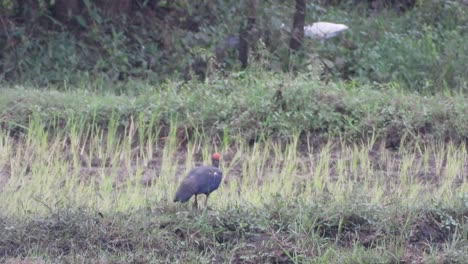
(323, 174)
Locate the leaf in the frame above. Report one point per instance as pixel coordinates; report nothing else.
(81, 21)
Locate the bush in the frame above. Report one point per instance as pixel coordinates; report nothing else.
(422, 49)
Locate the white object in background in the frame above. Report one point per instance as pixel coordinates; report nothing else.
(324, 30)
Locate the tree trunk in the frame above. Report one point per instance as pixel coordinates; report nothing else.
(27, 10)
(114, 8)
(65, 10)
(297, 35)
(245, 33)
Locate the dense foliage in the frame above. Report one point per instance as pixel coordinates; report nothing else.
(419, 46)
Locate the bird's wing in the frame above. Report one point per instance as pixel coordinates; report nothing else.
(216, 176)
(187, 188)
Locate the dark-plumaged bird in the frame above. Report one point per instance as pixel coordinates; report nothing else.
(200, 180)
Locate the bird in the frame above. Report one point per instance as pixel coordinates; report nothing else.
(321, 30)
(324, 30)
(200, 180)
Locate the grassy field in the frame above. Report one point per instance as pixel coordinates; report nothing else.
(321, 174)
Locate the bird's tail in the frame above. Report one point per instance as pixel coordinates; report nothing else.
(183, 194)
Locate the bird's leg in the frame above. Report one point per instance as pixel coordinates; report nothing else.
(206, 201)
(195, 203)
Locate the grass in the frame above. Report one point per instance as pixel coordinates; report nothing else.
(102, 194)
(251, 104)
(315, 175)
(117, 172)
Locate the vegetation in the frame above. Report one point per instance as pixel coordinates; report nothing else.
(421, 49)
(250, 104)
(350, 150)
(301, 184)
(86, 194)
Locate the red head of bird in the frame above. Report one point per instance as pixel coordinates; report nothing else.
(215, 159)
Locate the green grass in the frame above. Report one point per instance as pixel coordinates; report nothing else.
(101, 194)
(316, 176)
(298, 233)
(249, 105)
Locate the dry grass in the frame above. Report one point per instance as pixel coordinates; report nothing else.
(121, 172)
